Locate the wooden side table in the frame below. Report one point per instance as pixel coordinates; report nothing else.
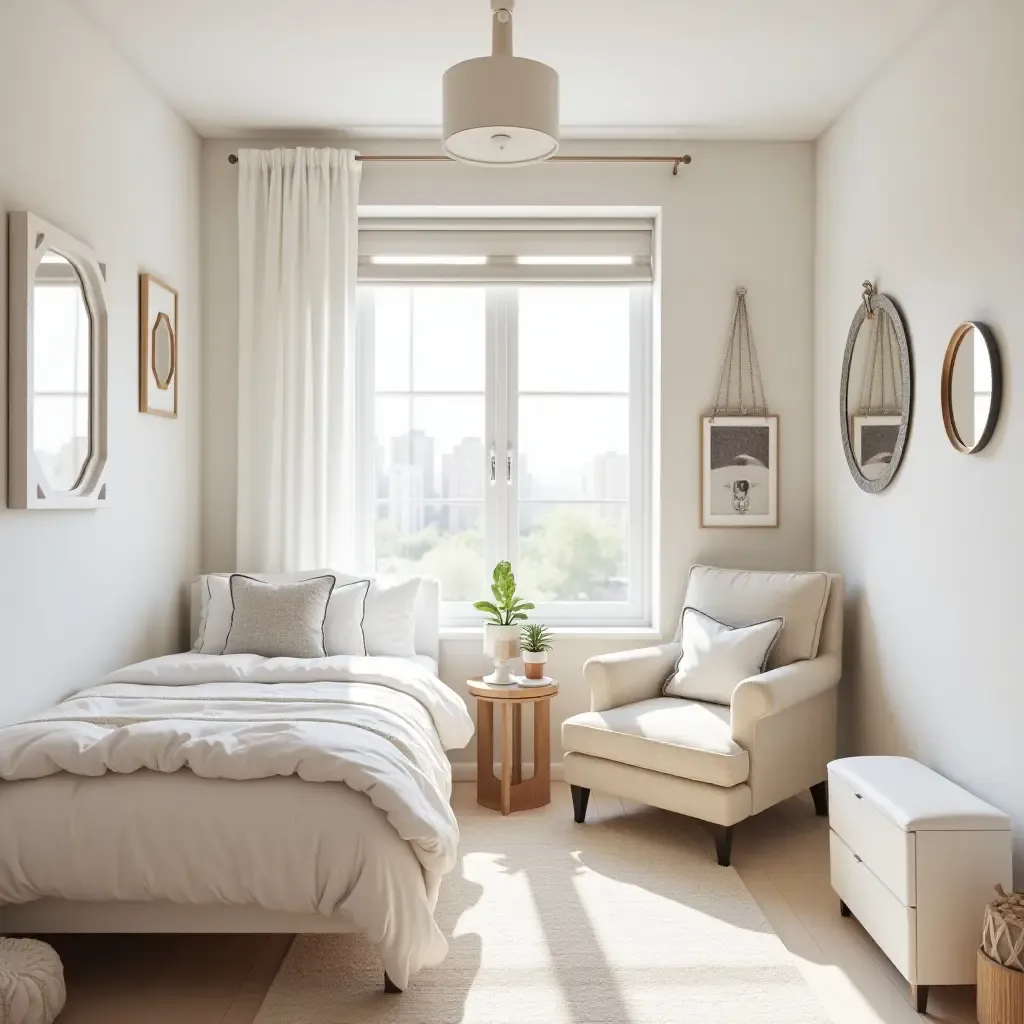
(511, 792)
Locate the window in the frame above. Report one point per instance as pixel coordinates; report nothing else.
(511, 420)
(430, 411)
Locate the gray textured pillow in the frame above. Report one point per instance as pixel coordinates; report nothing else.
(279, 620)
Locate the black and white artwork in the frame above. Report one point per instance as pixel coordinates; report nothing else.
(874, 441)
(740, 471)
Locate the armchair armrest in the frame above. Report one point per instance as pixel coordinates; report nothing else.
(626, 677)
(779, 689)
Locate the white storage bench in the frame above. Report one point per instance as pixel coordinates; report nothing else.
(915, 859)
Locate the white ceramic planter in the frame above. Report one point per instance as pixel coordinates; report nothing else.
(534, 662)
(501, 643)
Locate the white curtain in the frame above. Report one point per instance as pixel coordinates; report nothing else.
(297, 457)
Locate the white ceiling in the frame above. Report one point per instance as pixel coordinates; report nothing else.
(629, 68)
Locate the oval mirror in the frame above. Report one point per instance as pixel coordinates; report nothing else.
(875, 397)
(972, 385)
(61, 372)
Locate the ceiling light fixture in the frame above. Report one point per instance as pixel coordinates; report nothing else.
(502, 110)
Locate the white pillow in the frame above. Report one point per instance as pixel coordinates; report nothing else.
(343, 627)
(739, 596)
(716, 657)
(215, 624)
(389, 626)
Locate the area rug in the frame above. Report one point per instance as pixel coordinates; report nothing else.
(624, 920)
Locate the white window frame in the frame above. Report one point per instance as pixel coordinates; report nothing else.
(501, 499)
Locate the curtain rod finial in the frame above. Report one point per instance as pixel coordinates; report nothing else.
(232, 158)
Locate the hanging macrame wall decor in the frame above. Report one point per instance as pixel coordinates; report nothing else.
(740, 438)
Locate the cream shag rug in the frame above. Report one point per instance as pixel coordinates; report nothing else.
(626, 920)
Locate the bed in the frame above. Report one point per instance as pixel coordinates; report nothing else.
(193, 793)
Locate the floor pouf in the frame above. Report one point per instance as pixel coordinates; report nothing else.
(31, 982)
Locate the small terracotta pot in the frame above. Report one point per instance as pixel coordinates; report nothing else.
(534, 663)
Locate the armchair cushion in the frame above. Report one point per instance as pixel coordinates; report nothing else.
(739, 597)
(683, 738)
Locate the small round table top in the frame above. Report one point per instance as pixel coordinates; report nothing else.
(488, 691)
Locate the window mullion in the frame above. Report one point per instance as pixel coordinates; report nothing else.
(494, 449)
(512, 424)
(640, 426)
(366, 454)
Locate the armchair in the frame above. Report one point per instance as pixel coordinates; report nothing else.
(711, 761)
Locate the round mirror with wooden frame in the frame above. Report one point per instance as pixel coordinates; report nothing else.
(972, 387)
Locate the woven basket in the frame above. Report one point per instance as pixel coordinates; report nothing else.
(1001, 961)
(1002, 939)
(1000, 993)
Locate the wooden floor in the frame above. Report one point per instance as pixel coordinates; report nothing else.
(782, 857)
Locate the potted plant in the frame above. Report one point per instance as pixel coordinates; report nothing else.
(535, 639)
(501, 629)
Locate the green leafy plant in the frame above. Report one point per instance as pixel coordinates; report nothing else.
(506, 609)
(535, 638)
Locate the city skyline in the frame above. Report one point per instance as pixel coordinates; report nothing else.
(407, 483)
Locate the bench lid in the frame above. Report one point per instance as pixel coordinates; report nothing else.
(915, 798)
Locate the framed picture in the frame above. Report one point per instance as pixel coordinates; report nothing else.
(874, 441)
(158, 347)
(739, 471)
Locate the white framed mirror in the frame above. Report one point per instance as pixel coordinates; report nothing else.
(58, 369)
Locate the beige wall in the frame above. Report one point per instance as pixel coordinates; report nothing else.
(87, 145)
(921, 188)
(740, 214)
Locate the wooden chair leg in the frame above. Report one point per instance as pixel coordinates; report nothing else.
(723, 844)
(819, 794)
(390, 987)
(580, 798)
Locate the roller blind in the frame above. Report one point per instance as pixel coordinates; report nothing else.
(592, 250)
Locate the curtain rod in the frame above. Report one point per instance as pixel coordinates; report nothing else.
(675, 161)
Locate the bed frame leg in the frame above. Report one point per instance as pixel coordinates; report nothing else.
(390, 987)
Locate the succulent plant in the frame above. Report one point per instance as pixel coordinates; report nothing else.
(535, 638)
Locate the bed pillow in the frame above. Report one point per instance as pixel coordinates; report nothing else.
(343, 628)
(215, 620)
(279, 620)
(716, 657)
(209, 587)
(389, 626)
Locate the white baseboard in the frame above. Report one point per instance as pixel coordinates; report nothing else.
(465, 771)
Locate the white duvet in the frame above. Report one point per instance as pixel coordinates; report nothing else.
(378, 725)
